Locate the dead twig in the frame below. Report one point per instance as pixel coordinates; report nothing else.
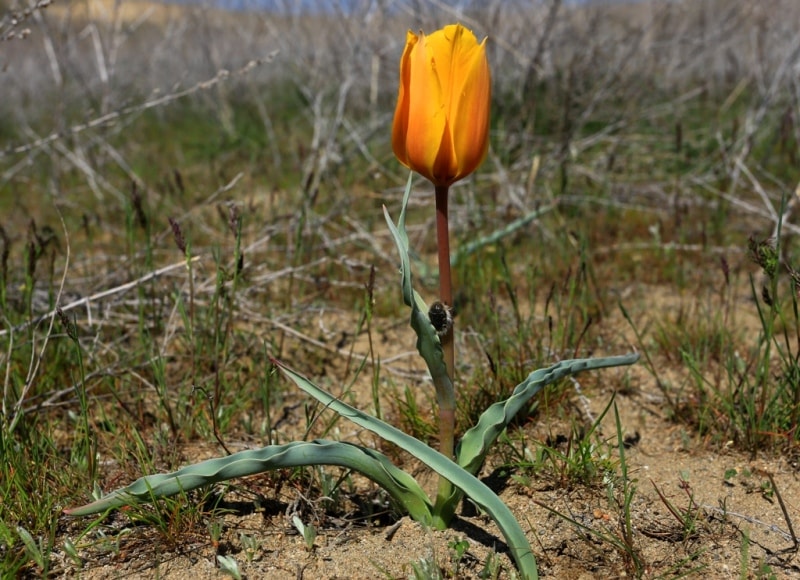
(86, 301)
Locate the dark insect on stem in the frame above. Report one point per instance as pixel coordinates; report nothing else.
(441, 317)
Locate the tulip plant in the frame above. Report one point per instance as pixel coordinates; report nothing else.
(441, 131)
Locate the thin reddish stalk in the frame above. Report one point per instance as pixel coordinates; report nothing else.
(445, 279)
(445, 393)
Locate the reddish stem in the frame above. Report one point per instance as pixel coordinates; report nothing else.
(445, 390)
(446, 399)
(445, 279)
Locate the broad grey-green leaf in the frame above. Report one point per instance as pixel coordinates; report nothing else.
(401, 486)
(468, 483)
(476, 442)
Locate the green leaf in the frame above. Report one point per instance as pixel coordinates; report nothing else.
(476, 442)
(32, 548)
(428, 343)
(468, 483)
(401, 486)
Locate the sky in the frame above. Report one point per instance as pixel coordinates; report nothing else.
(296, 6)
(284, 5)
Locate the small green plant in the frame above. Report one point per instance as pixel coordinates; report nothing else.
(426, 569)
(308, 531)
(744, 556)
(458, 549)
(765, 572)
(250, 546)
(688, 518)
(583, 457)
(620, 494)
(215, 529)
(71, 551)
(229, 566)
(35, 550)
(491, 568)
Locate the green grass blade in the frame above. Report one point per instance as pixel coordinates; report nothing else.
(401, 486)
(468, 483)
(510, 229)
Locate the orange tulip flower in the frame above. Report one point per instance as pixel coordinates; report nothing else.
(441, 124)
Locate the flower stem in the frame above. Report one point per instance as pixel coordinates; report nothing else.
(445, 391)
(446, 296)
(445, 279)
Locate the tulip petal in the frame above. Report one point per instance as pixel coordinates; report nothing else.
(401, 114)
(427, 114)
(449, 44)
(464, 72)
(469, 110)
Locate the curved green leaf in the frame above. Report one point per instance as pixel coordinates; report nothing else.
(428, 343)
(468, 483)
(476, 442)
(401, 486)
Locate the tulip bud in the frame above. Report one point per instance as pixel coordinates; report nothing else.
(441, 123)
